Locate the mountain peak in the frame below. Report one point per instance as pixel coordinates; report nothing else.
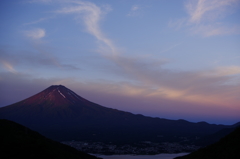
(60, 95)
(53, 97)
(58, 86)
(55, 102)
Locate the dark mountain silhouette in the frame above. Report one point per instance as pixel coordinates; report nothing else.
(60, 114)
(237, 124)
(226, 148)
(215, 137)
(17, 141)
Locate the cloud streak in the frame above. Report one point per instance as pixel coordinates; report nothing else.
(91, 16)
(36, 34)
(39, 58)
(201, 10)
(225, 71)
(207, 17)
(206, 87)
(134, 11)
(214, 29)
(8, 66)
(38, 21)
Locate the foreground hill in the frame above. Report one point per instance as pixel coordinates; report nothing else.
(17, 141)
(215, 137)
(60, 114)
(227, 148)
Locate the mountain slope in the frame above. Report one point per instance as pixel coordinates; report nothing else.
(227, 148)
(60, 114)
(18, 141)
(215, 137)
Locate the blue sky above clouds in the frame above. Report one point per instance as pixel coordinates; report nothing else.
(172, 59)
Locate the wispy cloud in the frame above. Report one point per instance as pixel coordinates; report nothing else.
(177, 23)
(41, 1)
(171, 47)
(206, 17)
(202, 10)
(135, 7)
(38, 21)
(134, 11)
(40, 58)
(205, 87)
(214, 29)
(8, 66)
(91, 15)
(35, 34)
(224, 71)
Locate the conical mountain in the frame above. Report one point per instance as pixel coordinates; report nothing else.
(54, 103)
(60, 114)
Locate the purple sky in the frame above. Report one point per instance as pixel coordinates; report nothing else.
(169, 59)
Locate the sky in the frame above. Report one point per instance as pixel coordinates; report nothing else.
(174, 59)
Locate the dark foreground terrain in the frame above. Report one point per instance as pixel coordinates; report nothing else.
(226, 148)
(17, 141)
